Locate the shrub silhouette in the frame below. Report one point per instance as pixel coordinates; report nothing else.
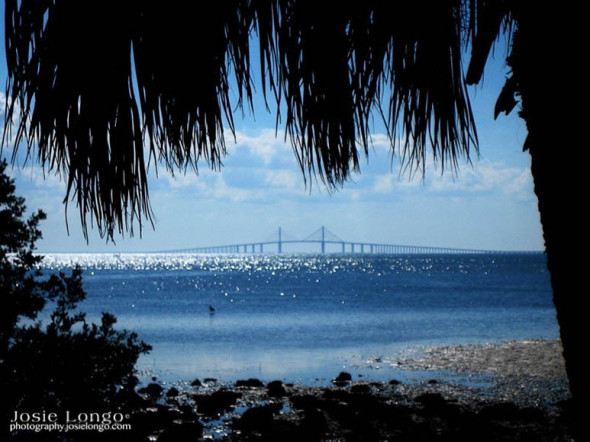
(63, 363)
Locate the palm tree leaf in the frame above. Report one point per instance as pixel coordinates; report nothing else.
(104, 87)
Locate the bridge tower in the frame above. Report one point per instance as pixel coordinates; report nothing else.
(323, 239)
(280, 240)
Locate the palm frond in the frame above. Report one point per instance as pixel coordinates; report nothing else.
(103, 86)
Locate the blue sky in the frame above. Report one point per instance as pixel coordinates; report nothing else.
(489, 204)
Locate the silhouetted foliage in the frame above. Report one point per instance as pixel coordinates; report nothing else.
(63, 363)
(87, 100)
(22, 292)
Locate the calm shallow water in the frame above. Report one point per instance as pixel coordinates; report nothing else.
(300, 318)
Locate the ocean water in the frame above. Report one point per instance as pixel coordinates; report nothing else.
(304, 318)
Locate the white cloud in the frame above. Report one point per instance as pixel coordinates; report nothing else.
(485, 176)
(383, 184)
(180, 180)
(37, 176)
(267, 146)
(285, 179)
(522, 184)
(381, 142)
(219, 189)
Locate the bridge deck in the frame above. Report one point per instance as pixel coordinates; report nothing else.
(324, 238)
(342, 247)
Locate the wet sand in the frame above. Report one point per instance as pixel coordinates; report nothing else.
(530, 372)
(522, 395)
(530, 359)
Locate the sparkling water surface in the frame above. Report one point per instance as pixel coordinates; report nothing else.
(304, 318)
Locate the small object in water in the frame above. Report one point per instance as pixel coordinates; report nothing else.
(342, 379)
(211, 309)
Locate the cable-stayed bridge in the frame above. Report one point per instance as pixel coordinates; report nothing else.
(326, 241)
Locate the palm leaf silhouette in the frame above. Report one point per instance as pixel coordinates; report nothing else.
(104, 87)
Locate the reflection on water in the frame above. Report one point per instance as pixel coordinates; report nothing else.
(304, 317)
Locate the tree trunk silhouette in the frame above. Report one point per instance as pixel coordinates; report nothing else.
(546, 88)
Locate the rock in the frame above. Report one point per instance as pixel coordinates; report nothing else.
(258, 418)
(432, 401)
(152, 390)
(154, 418)
(216, 403)
(196, 383)
(185, 431)
(143, 422)
(187, 410)
(172, 392)
(502, 411)
(344, 376)
(283, 430)
(360, 389)
(133, 399)
(305, 401)
(276, 389)
(394, 382)
(342, 379)
(249, 383)
(314, 422)
(341, 395)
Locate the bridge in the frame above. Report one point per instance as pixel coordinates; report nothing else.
(328, 242)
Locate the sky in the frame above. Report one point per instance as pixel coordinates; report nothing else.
(488, 204)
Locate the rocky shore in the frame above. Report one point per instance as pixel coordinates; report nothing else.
(525, 398)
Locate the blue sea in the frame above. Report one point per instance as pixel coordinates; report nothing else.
(304, 318)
